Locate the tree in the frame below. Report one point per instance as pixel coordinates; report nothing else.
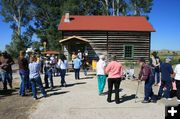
(141, 7)
(18, 14)
(128, 7)
(47, 17)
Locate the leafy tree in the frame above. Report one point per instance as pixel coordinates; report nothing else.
(47, 17)
(36, 45)
(16, 13)
(141, 7)
(127, 7)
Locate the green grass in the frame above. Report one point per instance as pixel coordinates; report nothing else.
(175, 59)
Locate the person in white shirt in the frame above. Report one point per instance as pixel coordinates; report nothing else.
(177, 78)
(63, 65)
(101, 76)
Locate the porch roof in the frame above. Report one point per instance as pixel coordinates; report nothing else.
(73, 37)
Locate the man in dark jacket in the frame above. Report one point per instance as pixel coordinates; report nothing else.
(166, 80)
(146, 75)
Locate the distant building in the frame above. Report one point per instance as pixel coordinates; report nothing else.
(128, 37)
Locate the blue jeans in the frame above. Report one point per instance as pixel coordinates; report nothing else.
(156, 76)
(166, 84)
(63, 74)
(148, 89)
(48, 78)
(6, 78)
(24, 77)
(28, 83)
(85, 71)
(37, 81)
(77, 73)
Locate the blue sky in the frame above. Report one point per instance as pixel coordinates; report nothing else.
(165, 18)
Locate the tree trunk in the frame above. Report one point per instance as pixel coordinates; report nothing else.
(19, 22)
(107, 4)
(135, 9)
(117, 10)
(113, 7)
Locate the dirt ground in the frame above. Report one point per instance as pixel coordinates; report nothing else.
(13, 106)
(72, 101)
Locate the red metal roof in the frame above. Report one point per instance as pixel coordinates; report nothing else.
(106, 23)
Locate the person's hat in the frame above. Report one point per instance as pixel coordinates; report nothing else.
(29, 50)
(102, 57)
(168, 60)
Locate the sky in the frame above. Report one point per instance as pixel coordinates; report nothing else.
(164, 17)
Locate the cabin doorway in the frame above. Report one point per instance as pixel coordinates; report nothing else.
(73, 44)
(76, 47)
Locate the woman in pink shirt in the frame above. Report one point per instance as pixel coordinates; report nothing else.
(115, 72)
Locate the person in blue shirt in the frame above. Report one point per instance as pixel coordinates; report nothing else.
(34, 74)
(166, 80)
(77, 65)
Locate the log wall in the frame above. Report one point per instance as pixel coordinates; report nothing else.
(112, 42)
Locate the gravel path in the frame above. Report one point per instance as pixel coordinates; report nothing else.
(80, 100)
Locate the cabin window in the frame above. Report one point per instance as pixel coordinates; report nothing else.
(128, 51)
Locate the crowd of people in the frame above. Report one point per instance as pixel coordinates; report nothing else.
(31, 64)
(154, 73)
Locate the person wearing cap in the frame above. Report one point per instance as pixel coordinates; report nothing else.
(146, 74)
(177, 79)
(101, 76)
(166, 80)
(114, 70)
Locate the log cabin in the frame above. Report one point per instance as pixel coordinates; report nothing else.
(127, 37)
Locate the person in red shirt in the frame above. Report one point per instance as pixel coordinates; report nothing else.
(146, 75)
(115, 72)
